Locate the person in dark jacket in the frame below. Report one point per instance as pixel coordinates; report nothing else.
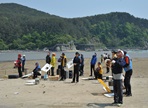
(36, 71)
(93, 63)
(81, 65)
(48, 60)
(117, 78)
(63, 65)
(76, 62)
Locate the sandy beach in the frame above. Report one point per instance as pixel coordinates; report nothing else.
(62, 94)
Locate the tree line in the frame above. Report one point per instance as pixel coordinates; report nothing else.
(25, 28)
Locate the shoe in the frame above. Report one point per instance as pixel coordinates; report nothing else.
(72, 82)
(61, 80)
(128, 95)
(119, 104)
(77, 81)
(114, 103)
(90, 75)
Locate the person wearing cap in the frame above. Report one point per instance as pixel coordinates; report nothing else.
(93, 63)
(53, 63)
(36, 70)
(76, 62)
(117, 78)
(23, 59)
(128, 73)
(63, 65)
(99, 71)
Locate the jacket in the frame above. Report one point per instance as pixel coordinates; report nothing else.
(63, 61)
(48, 59)
(76, 61)
(117, 69)
(127, 63)
(93, 60)
(53, 61)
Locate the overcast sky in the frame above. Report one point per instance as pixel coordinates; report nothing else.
(81, 8)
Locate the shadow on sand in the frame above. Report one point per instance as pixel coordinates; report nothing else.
(98, 105)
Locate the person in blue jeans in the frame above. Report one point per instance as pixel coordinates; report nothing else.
(93, 63)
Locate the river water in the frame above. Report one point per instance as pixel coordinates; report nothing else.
(34, 55)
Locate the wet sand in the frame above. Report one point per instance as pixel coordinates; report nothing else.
(62, 94)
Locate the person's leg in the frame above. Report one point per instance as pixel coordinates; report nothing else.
(82, 69)
(128, 78)
(62, 73)
(94, 69)
(74, 74)
(77, 75)
(52, 71)
(19, 71)
(22, 67)
(115, 91)
(119, 92)
(91, 67)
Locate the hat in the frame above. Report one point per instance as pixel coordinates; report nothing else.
(119, 50)
(53, 54)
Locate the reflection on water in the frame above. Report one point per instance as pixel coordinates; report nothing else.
(33, 55)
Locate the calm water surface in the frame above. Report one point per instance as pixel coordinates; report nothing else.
(33, 55)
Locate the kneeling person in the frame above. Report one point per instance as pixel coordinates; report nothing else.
(98, 71)
(36, 71)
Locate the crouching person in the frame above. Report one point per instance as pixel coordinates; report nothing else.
(98, 71)
(36, 71)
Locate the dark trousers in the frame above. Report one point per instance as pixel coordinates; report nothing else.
(23, 67)
(36, 74)
(76, 74)
(92, 68)
(127, 79)
(81, 70)
(52, 71)
(98, 75)
(107, 69)
(118, 94)
(63, 75)
(19, 71)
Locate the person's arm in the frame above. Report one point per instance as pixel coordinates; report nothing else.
(127, 61)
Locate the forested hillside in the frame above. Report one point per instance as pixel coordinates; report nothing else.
(25, 28)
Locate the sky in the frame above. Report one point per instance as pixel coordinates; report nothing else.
(82, 8)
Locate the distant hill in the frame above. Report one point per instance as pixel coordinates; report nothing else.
(22, 27)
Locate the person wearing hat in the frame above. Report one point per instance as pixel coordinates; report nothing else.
(76, 62)
(19, 65)
(63, 65)
(117, 67)
(23, 62)
(99, 71)
(53, 63)
(128, 73)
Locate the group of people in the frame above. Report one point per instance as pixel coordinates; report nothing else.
(78, 62)
(120, 61)
(20, 63)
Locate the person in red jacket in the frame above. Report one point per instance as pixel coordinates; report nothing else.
(19, 65)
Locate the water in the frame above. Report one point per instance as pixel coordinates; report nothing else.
(34, 55)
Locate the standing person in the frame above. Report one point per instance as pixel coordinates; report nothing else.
(93, 63)
(99, 71)
(117, 78)
(48, 60)
(63, 65)
(23, 62)
(81, 65)
(128, 73)
(53, 63)
(19, 65)
(76, 62)
(36, 71)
